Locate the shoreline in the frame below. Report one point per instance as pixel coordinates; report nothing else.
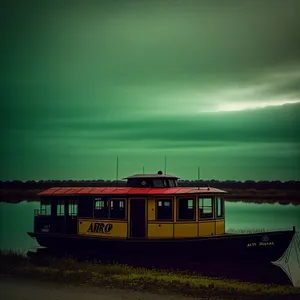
(68, 271)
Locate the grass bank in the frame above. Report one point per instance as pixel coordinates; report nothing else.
(121, 276)
(264, 196)
(19, 195)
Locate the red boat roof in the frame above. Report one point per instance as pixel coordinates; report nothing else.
(128, 191)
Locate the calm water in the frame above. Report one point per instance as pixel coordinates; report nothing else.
(17, 219)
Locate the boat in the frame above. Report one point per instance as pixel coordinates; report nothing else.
(150, 219)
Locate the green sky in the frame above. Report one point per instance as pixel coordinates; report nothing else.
(209, 83)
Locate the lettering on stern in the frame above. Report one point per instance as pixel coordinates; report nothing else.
(265, 241)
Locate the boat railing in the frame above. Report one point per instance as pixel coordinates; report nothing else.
(40, 212)
(258, 230)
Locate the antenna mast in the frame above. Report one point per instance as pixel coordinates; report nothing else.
(117, 170)
(198, 177)
(143, 170)
(165, 165)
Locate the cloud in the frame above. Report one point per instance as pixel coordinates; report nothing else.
(149, 75)
(269, 125)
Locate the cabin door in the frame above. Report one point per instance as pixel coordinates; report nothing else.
(138, 218)
(71, 215)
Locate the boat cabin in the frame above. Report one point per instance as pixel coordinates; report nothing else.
(151, 206)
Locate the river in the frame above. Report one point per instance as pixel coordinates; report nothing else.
(17, 219)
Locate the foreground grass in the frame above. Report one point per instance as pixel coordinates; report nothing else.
(126, 277)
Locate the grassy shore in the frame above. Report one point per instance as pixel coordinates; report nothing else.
(271, 195)
(126, 277)
(19, 195)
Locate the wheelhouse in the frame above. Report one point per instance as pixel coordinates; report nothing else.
(151, 206)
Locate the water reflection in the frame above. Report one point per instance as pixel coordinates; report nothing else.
(266, 216)
(17, 219)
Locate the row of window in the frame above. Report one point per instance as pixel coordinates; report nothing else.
(60, 208)
(115, 208)
(72, 208)
(187, 209)
(111, 209)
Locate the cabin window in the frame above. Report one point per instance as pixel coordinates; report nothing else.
(73, 208)
(45, 208)
(164, 208)
(220, 207)
(117, 209)
(60, 208)
(158, 183)
(205, 208)
(172, 183)
(186, 209)
(139, 183)
(114, 208)
(101, 208)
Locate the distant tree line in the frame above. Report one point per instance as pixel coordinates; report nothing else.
(229, 184)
